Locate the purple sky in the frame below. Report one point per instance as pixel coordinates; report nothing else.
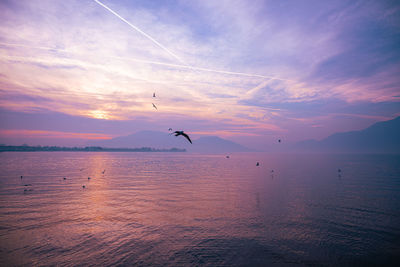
(248, 71)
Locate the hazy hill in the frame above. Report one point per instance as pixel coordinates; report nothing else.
(381, 137)
(162, 140)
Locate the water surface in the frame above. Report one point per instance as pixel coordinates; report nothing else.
(181, 209)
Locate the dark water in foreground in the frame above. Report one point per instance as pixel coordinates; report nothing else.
(175, 209)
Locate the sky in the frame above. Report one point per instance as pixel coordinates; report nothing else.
(248, 71)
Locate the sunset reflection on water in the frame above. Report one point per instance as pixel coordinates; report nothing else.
(194, 209)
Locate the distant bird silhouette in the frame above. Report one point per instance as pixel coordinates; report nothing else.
(170, 129)
(64, 178)
(339, 170)
(154, 106)
(27, 185)
(154, 94)
(103, 171)
(227, 157)
(83, 186)
(279, 140)
(258, 163)
(177, 133)
(272, 170)
(88, 178)
(21, 176)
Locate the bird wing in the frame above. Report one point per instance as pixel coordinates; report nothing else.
(187, 137)
(154, 106)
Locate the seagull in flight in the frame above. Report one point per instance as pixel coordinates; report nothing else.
(154, 106)
(170, 129)
(177, 133)
(154, 94)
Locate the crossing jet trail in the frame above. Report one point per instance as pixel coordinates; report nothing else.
(52, 49)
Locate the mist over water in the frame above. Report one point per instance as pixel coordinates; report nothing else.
(175, 209)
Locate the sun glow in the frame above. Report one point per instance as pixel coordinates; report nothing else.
(99, 114)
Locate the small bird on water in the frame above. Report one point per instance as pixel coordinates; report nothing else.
(177, 133)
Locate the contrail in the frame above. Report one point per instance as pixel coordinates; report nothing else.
(155, 63)
(142, 32)
(203, 69)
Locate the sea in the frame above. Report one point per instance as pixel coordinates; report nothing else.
(183, 209)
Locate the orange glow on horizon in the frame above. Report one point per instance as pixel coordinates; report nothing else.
(53, 134)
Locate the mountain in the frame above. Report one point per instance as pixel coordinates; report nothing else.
(161, 140)
(381, 137)
(216, 144)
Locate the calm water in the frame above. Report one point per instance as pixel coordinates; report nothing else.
(176, 209)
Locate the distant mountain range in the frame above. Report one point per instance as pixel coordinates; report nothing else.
(162, 140)
(381, 137)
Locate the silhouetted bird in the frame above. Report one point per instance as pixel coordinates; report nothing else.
(83, 186)
(21, 176)
(65, 178)
(279, 140)
(272, 170)
(154, 94)
(154, 106)
(170, 129)
(88, 178)
(227, 157)
(177, 133)
(339, 170)
(27, 185)
(258, 164)
(103, 171)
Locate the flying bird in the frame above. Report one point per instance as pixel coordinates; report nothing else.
(279, 140)
(170, 129)
(258, 164)
(177, 133)
(154, 106)
(154, 94)
(103, 171)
